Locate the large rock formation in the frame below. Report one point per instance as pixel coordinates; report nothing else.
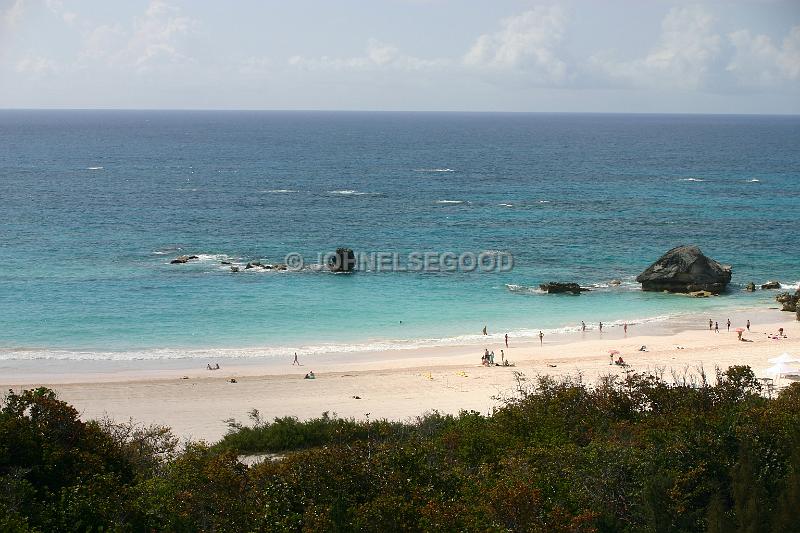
(685, 269)
(791, 302)
(771, 285)
(344, 260)
(556, 287)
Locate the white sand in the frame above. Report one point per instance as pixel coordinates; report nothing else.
(394, 385)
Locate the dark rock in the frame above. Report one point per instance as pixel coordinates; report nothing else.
(234, 269)
(556, 287)
(225, 262)
(750, 287)
(193, 257)
(181, 259)
(253, 264)
(771, 285)
(280, 266)
(791, 302)
(701, 294)
(344, 260)
(685, 269)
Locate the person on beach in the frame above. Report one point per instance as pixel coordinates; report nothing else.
(503, 356)
(583, 325)
(208, 366)
(625, 328)
(506, 340)
(710, 324)
(541, 338)
(780, 332)
(729, 324)
(295, 362)
(484, 330)
(611, 359)
(740, 334)
(216, 366)
(601, 327)
(748, 324)
(716, 327)
(491, 358)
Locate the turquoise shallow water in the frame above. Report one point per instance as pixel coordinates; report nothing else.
(96, 203)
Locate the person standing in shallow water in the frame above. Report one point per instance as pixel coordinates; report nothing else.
(716, 327)
(748, 324)
(601, 327)
(541, 338)
(729, 324)
(583, 325)
(295, 362)
(484, 330)
(506, 340)
(625, 328)
(710, 324)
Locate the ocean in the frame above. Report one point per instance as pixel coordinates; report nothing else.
(95, 204)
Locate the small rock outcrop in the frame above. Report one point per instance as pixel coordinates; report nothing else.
(615, 282)
(344, 260)
(771, 285)
(181, 259)
(557, 287)
(685, 269)
(750, 287)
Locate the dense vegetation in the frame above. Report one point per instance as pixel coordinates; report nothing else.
(623, 455)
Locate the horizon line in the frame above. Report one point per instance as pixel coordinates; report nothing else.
(419, 111)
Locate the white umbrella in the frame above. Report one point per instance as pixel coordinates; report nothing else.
(780, 369)
(784, 358)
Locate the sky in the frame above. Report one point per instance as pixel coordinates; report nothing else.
(638, 56)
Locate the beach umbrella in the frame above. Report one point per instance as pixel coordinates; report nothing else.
(613, 352)
(739, 330)
(780, 369)
(784, 358)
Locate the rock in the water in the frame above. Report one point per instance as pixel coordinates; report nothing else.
(225, 262)
(234, 269)
(344, 260)
(700, 294)
(615, 282)
(750, 287)
(280, 266)
(685, 269)
(181, 259)
(253, 264)
(771, 285)
(556, 287)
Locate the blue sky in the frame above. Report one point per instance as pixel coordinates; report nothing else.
(462, 55)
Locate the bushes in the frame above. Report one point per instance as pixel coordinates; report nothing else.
(632, 455)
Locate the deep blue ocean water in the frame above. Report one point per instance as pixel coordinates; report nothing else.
(94, 204)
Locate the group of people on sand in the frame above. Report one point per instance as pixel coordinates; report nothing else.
(488, 357)
(714, 326)
(215, 367)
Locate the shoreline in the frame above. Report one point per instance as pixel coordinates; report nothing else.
(196, 402)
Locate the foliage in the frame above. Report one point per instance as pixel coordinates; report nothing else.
(633, 454)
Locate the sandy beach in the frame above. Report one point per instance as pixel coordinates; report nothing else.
(395, 385)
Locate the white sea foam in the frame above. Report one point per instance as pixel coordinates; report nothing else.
(279, 191)
(506, 205)
(544, 201)
(754, 180)
(524, 289)
(434, 170)
(476, 340)
(348, 192)
(450, 202)
(94, 168)
(691, 179)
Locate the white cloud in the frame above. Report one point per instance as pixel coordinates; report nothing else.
(35, 66)
(682, 59)
(377, 55)
(527, 42)
(151, 40)
(757, 62)
(11, 15)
